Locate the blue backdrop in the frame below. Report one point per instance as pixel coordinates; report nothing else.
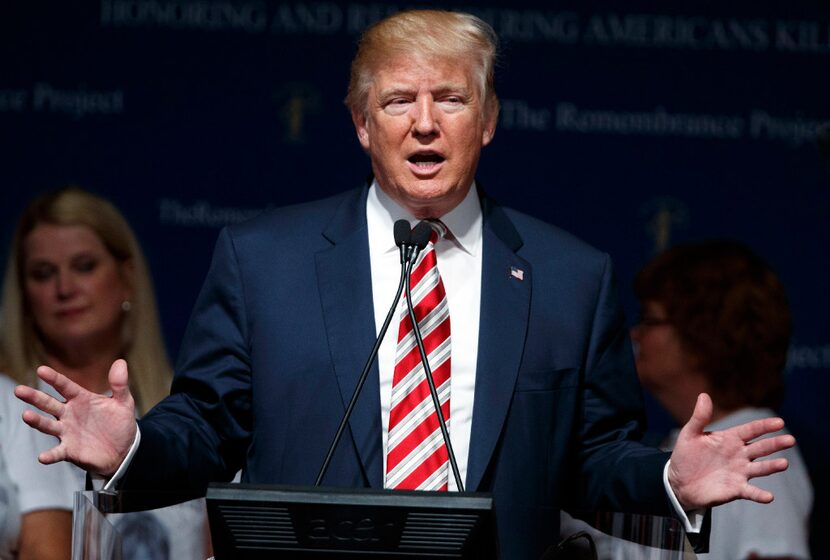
(633, 127)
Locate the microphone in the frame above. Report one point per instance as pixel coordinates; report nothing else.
(416, 242)
(402, 240)
(402, 235)
(420, 238)
(420, 235)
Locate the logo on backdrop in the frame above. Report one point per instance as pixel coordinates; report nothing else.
(756, 124)
(795, 130)
(296, 102)
(614, 29)
(205, 15)
(518, 114)
(203, 213)
(663, 215)
(13, 100)
(77, 102)
(804, 356)
(654, 122)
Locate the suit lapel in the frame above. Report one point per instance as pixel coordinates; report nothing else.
(345, 283)
(505, 305)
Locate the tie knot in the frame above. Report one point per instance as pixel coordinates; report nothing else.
(439, 230)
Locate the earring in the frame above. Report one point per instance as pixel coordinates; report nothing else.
(126, 306)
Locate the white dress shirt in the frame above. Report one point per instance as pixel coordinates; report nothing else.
(459, 262)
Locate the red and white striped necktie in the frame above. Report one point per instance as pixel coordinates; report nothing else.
(417, 456)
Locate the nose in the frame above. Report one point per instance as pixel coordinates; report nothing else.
(425, 123)
(64, 284)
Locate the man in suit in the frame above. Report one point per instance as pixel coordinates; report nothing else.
(544, 403)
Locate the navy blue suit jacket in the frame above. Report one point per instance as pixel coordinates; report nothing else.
(285, 322)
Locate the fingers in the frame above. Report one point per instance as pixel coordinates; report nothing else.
(62, 384)
(758, 428)
(119, 381)
(766, 468)
(757, 494)
(39, 400)
(53, 455)
(768, 446)
(45, 424)
(762, 468)
(701, 416)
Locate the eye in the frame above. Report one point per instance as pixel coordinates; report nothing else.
(452, 102)
(397, 105)
(41, 272)
(85, 264)
(398, 102)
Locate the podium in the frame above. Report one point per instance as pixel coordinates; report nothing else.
(93, 536)
(252, 522)
(624, 536)
(129, 526)
(265, 521)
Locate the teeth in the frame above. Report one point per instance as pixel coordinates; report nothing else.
(425, 163)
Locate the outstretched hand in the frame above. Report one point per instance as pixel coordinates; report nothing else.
(711, 468)
(95, 431)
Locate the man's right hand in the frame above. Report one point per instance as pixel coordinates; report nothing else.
(95, 431)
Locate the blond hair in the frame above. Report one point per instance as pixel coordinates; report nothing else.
(142, 346)
(427, 34)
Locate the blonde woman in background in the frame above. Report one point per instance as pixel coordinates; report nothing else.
(78, 295)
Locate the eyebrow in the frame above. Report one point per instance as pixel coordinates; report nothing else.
(394, 90)
(85, 253)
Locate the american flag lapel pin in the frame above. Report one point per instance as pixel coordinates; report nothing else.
(517, 273)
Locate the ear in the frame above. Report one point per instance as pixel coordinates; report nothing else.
(361, 127)
(491, 118)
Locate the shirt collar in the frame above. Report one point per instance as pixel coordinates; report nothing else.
(464, 221)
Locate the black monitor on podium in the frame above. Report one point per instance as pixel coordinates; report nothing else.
(264, 521)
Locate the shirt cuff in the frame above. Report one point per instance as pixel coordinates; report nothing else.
(101, 483)
(693, 519)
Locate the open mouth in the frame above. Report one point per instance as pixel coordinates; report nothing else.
(425, 161)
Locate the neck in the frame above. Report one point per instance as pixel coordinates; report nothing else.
(679, 408)
(423, 208)
(679, 397)
(426, 210)
(719, 413)
(86, 365)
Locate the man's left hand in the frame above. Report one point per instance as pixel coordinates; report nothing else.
(712, 468)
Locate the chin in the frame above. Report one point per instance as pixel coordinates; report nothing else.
(433, 193)
(426, 189)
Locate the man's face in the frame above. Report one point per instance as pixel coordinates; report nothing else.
(424, 128)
